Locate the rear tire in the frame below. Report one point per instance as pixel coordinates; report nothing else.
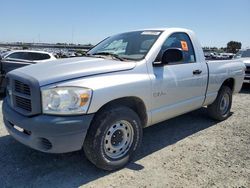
(220, 108)
(113, 138)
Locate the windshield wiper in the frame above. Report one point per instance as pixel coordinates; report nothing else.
(88, 55)
(110, 54)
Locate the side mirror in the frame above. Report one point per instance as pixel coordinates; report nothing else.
(172, 55)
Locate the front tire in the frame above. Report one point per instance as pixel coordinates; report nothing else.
(113, 138)
(220, 108)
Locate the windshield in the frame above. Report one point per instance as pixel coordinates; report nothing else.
(130, 46)
(242, 54)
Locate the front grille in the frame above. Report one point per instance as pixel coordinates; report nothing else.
(23, 103)
(247, 78)
(22, 88)
(24, 94)
(248, 70)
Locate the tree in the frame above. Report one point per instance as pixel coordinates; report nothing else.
(233, 46)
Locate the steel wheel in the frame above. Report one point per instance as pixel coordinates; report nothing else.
(113, 137)
(118, 139)
(220, 108)
(224, 103)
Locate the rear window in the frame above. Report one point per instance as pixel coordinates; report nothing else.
(38, 56)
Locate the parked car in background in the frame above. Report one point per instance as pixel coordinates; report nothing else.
(207, 55)
(218, 56)
(28, 55)
(225, 56)
(18, 58)
(230, 55)
(214, 55)
(244, 56)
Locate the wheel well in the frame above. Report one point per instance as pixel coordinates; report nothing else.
(135, 103)
(230, 83)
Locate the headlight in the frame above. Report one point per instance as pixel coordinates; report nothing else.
(66, 100)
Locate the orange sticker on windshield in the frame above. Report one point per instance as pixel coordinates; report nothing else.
(184, 46)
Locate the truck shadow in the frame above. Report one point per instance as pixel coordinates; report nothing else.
(1, 96)
(245, 88)
(22, 166)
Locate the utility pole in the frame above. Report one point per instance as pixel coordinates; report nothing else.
(39, 38)
(72, 35)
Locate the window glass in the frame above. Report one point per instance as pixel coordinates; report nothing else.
(238, 54)
(131, 46)
(119, 46)
(45, 56)
(246, 53)
(146, 45)
(18, 55)
(13, 55)
(34, 56)
(182, 41)
(38, 56)
(242, 53)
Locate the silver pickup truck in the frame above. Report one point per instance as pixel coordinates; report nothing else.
(100, 103)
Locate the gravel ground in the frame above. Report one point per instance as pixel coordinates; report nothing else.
(188, 151)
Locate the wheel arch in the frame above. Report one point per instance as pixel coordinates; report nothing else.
(132, 102)
(230, 82)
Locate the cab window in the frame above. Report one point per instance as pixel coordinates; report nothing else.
(182, 41)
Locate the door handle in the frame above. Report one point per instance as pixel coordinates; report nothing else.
(195, 72)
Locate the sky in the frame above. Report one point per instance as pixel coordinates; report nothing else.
(215, 22)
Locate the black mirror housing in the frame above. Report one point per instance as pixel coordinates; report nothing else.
(172, 55)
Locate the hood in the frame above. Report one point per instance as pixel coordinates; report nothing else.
(65, 69)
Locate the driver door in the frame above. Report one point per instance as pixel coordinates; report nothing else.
(177, 87)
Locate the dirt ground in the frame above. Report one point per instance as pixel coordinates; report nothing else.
(188, 151)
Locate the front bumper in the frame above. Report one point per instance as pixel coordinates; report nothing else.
(52, 134)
